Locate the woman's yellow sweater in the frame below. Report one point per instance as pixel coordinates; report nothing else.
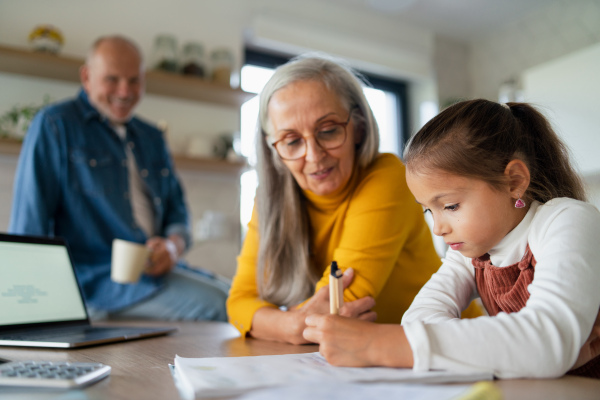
(373, 225)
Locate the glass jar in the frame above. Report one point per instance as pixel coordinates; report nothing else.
(192, 62)
(221, 63)
(165, 53)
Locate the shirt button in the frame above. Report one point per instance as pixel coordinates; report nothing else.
(93, 163)
(157, 201)
(131, 145)
(144, 173)
(165, 172)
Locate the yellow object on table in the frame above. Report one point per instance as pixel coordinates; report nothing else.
(482, 391)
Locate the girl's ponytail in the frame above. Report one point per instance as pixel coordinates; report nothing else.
(478, 138)
(552, 174)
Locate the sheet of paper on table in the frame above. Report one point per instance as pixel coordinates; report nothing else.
(360, 391)
(230, 376)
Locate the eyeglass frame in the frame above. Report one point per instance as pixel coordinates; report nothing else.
(343, 124)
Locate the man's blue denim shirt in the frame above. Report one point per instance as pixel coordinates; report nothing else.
(72, 182)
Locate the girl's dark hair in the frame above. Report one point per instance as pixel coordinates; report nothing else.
(478, 138)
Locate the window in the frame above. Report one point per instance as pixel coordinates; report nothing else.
(387, 98)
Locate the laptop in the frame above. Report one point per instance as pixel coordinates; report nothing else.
(41, 304)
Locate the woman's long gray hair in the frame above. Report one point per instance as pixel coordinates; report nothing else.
(286, 274)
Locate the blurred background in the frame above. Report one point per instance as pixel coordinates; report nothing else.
(206, 60)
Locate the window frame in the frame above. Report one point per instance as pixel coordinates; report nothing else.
(399, 88)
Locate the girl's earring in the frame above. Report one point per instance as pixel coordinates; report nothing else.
(519, 203)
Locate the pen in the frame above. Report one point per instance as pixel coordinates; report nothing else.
(336, 289)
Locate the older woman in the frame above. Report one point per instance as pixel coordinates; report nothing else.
(325, 193)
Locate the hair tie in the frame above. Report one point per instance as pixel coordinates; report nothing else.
(505, 106)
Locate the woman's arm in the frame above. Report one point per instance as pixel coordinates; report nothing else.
(262, 320)
(243, 300)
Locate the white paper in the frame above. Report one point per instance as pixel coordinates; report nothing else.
(228, 376)
(360, 391)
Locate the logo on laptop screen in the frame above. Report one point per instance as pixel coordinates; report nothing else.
(25, 294)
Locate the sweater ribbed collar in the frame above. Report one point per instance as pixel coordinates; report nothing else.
(330, 202)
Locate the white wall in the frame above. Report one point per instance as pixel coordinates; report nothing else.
(564, 26)
(453, 80)
(567, 91)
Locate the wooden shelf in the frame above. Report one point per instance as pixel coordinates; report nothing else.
(10, 146)
(13, 147)
(209, 164)
(44, 65)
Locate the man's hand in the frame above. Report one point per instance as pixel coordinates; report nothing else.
(164, 253)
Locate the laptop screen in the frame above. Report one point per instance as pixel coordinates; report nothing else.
(37, 283)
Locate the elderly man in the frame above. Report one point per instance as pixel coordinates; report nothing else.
(90, 172)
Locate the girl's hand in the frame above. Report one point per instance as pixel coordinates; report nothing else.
(289, 326)
(355, 343)
(591, 347)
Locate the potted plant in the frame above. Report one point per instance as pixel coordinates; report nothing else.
(15, 122)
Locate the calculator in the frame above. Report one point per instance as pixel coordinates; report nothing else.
(51, 374)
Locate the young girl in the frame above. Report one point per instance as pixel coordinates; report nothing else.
(503, 195)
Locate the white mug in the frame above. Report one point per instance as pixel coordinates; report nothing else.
(128, 261)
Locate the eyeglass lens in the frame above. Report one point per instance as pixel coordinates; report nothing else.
(328, 137)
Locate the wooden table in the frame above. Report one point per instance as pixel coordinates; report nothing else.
(139, 368)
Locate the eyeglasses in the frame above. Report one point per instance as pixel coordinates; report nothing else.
(329, 136)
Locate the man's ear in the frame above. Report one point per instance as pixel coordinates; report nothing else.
(84, 75)
(518, 177)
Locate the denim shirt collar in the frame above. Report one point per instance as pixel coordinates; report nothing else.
(87, 110)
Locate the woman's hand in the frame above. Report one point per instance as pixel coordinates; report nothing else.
(591, 347)
(288, 326)
(319, 303)
(356, 343)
